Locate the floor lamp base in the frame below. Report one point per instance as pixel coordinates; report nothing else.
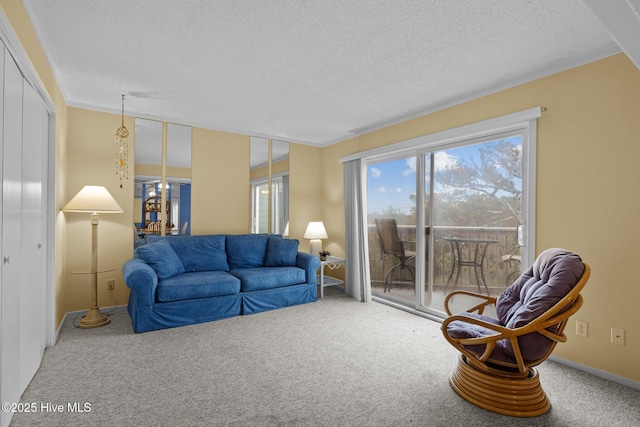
(93, 319)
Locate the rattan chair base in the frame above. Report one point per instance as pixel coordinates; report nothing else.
(517, 397)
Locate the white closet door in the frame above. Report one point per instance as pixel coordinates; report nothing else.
(10, 390)
(32, 283)
(4, 418)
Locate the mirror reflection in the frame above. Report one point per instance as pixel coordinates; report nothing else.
(149, 188)
(270, 207)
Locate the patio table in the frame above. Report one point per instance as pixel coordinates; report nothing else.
(479, 252)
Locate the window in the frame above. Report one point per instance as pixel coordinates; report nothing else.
(279, 203)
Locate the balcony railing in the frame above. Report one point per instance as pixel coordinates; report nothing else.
(497, 272)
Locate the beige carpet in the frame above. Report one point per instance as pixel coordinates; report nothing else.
(336, 362)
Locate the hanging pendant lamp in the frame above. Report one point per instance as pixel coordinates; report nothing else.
(122, 150)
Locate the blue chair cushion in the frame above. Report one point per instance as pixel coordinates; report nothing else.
(162, 258)
(258, 278)
(281, 252)
(200, 284)
(246, 250)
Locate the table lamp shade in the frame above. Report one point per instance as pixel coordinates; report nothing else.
(93, 198)
(315, 230)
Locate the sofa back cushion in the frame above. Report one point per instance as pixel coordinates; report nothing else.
(246, 250)
(199, 253)
(162, 258)
(281, 252)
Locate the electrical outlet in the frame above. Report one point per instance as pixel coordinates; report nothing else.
(111, 284)
(582, 328)
(617, 336)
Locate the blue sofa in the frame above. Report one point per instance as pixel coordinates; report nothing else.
(182, 280)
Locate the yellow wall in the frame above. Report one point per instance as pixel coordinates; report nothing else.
(305, 190)
(156, 170)
(90, 161)
(587, 183)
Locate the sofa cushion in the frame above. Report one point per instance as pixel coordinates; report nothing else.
(200, 284)
(281, 252)
(199, 253)
(246, 250)
(257, 278)
(162, 258)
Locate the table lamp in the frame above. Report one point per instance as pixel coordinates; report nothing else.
(315, 231)
(94, 200)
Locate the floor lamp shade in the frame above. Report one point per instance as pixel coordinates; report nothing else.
(94, 200)
(315, 232)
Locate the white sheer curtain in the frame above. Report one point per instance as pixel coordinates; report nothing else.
(357, 283)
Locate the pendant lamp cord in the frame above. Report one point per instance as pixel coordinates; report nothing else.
(123, 109)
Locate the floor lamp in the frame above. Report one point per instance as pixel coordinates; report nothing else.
(94, 200)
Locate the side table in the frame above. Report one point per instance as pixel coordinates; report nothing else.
(333, 263)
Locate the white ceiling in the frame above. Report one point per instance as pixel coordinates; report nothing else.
(309, 71)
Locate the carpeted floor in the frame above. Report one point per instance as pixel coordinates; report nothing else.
(336, 362)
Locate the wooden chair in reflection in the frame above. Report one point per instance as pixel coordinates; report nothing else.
(391, 245)
(512, 259)
(155, 227)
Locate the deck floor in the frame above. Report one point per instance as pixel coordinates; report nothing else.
(405, 294)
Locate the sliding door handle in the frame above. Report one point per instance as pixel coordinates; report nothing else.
(522, 238)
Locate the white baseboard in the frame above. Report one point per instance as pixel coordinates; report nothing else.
(598, 373)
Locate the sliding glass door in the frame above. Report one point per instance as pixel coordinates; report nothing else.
(391, 219)
(447, 217)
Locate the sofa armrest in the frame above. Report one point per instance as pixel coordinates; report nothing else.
(310, 264)
(141, 279)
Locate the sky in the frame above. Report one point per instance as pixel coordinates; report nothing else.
(391, 183)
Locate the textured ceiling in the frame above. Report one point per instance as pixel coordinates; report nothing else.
(310, 71)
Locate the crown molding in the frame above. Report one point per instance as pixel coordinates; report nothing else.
(621, 19)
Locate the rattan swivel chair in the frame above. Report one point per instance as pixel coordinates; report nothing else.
(497, 356)
(391, 245)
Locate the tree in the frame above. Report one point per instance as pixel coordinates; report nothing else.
(401, 217)
(489, 188)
